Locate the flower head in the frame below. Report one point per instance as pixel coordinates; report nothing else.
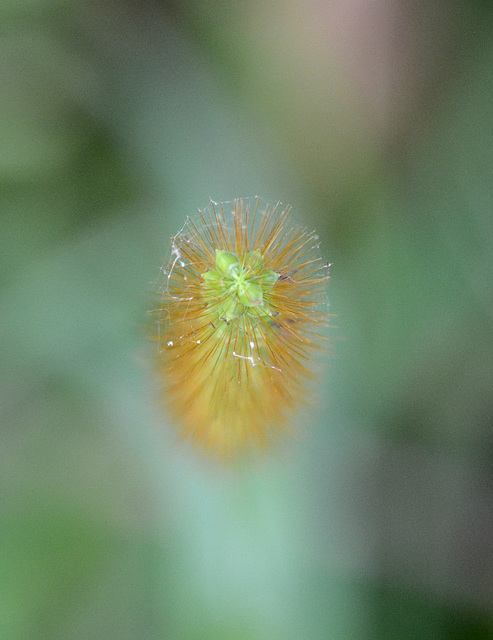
(240, 319)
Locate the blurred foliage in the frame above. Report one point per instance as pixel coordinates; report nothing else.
(117, 120)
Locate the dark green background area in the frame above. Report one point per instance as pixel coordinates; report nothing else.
(117, 120)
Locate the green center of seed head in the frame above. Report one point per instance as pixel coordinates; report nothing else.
(237, 286)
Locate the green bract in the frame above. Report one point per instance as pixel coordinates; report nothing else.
(236, 287)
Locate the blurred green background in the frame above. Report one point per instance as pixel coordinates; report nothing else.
(375, 121)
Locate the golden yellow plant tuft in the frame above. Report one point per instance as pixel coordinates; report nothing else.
(241, 313)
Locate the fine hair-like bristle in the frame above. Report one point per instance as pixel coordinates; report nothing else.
(241, 312)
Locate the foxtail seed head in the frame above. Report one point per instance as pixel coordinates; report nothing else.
(240, 317)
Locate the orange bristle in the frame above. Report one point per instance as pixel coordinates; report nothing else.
(240, 316)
